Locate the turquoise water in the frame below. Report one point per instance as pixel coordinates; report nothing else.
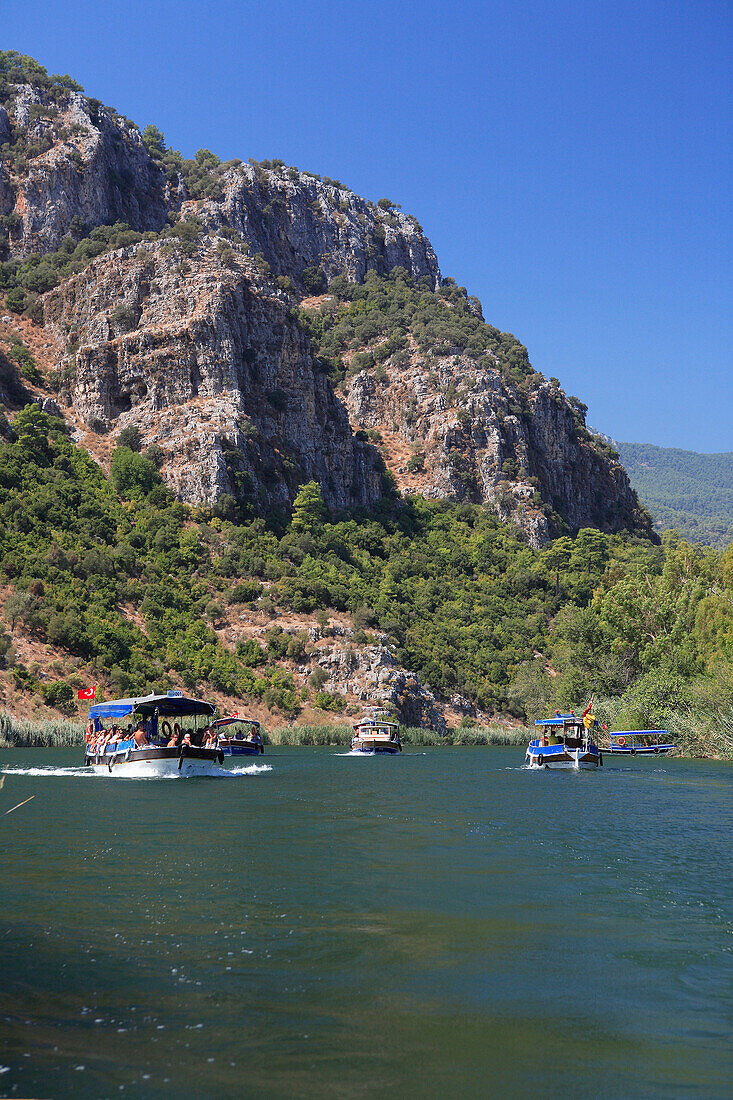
(442, 923)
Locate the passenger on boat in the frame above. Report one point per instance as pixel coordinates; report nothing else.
(209, 737)
(173, 741)
(140, 737)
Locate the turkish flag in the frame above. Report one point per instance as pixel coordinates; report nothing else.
(87, 693)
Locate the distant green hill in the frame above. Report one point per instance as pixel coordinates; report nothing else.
(683, 489)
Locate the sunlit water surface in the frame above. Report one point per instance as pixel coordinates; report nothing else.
(442, 923)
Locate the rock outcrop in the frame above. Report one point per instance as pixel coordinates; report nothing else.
(210, 364)
(92, 167)
(454, 431)
(373, 675)
(296, 221)
(195, 337)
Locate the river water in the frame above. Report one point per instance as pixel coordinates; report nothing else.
(439, 924)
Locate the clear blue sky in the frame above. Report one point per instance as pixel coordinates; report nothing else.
(569, 159)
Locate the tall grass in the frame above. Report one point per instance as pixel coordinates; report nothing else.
(409, 735)
(495, 734)
(58, 733)
(309, 735)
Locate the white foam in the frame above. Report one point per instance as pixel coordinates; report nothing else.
(53, 772)
(49, 770)
(251, 769)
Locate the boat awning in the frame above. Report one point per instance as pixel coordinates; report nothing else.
(559, 720)
(640, 733)
(232, 718)
(165, 705)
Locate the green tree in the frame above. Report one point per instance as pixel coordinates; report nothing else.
(132, 474)
(153, 140)
(308, 508)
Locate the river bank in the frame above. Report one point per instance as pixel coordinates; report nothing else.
(702, 741)
(21, 733)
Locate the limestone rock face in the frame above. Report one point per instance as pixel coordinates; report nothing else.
(297, 221)
(210, 364)
(99, 173)
(5, 129)
(373, 675)
(453, 431)
(198, 341)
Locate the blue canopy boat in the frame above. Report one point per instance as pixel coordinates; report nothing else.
(148, 745)
(242, 737)
(640, 743)
(565, 744)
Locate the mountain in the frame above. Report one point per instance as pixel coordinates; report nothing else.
(684, 490)
(262, 327)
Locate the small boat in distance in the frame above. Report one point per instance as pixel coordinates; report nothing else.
(243, 736)
(376, 732)
(640, 743)
(564, 744)
(148, 746)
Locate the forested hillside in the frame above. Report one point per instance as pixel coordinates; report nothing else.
(690, 492)
(134, 587)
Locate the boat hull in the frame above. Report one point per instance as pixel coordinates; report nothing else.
(646, 750)
(372, 748)
(242, 748)
(570, 761)
(157, 763)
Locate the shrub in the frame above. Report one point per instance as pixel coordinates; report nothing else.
(59, 694)
(318, 678)
(251, 653)
(313, 280)
(132, 474)
(329, 700)
(245, 592)
(130, 437)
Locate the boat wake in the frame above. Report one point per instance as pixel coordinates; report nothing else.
(249, 769)
(54, 772)
(49, 770)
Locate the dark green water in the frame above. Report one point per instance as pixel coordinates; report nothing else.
(443, 923)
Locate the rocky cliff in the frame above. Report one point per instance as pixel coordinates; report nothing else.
(211, 366)
(191, 331)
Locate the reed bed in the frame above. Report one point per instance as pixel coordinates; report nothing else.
(308, 735)
(494, 734)
(409, 735)
(56, 733)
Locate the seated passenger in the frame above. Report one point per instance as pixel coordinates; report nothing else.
(173, 741)
(140, 737)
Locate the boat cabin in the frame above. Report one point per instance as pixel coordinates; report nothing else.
(562, 729)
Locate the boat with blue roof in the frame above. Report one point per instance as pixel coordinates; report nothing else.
(640, 743)
(239, 736)
(160, 736)
(565, 743)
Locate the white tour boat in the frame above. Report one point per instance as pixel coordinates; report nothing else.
(376, 733)
(565, 743)
(163, 736)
